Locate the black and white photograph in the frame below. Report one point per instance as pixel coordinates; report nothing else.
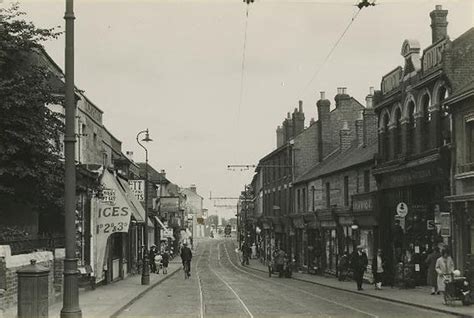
(236, 158)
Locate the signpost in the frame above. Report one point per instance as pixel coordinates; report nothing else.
(402, 209)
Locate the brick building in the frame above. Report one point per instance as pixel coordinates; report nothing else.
(413, 170)
(325, 194)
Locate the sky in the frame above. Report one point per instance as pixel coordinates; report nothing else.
(175, 67)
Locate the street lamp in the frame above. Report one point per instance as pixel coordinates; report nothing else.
(145, 266)
(71, 289)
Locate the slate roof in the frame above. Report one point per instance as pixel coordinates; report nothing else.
(338, 161)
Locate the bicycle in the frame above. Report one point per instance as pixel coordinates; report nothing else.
(187, 269)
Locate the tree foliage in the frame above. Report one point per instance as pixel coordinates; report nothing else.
(31, 169)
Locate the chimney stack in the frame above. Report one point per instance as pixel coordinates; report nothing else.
(298, 119)
(193, 188)
(163, 173)
(280, 137)
(369, 99)
(324, 129)
(341, 96)
(359, 125)
(439, 23)
(345, 136)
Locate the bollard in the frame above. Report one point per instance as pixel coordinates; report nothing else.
(33, 291)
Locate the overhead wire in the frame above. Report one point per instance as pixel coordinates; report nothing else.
(331, 51)
(242, 78)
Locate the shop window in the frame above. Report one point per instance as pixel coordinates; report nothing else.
(367, 181)
(425, 104)
(328, 195)
(346, 190)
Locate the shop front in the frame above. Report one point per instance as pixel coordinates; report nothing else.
(411, 205)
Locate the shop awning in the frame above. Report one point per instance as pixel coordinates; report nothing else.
(138, 211)
(161, 223)
(150, 223)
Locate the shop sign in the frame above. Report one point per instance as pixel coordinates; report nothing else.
(430, 225)
(402, 209)
(362, 203)
(138, 189)
(169, 204)
(392, 80)
(108, 196)
(445, 220)
(433, 56)
(110, 215)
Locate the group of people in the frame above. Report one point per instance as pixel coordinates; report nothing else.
(158, 260)
(440, 267)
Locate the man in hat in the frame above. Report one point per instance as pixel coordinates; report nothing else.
(359, 265)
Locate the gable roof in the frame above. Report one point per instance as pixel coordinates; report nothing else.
(338, 161)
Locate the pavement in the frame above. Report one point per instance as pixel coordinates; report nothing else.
(419, 297)
(220, 287)
(106, 300)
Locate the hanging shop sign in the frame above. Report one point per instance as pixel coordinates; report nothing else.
(112, 214)
(445, 222)
(138, 189)
(402, 209)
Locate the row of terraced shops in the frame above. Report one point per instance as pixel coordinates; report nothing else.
(395, 173)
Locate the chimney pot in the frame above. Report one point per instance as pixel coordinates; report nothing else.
(323, 95)
(288, 115)
(344, 90)
(371, 90)
(439, 7)
(300, 106)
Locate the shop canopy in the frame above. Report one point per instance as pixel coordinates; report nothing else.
(138, 211)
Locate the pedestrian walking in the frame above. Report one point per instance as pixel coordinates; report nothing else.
(158, 264)
(254, 250)
(245, 253)
(431, 275)
(186, 257)
(280, 261)
(165, 261)
(378, 269)
(444, 268)
(359, 265)
(151, 257)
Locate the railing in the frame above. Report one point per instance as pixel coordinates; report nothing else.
(29, 244)
(468, 167)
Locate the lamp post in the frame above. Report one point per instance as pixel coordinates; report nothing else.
(71, 289)
(145, 266)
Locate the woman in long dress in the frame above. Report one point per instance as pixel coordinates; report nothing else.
(444, 266)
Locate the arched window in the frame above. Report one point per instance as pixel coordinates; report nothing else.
(425, 104)
(386, 138)
(398, 131)
(442, 94)
(411, 126)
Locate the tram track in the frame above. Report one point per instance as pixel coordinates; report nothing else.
(273, 282)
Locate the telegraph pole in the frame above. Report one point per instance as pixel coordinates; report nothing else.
(71, 307)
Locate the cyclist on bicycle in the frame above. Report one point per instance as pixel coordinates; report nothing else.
(186, 256)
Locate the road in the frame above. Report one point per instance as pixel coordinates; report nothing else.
(220, 287)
